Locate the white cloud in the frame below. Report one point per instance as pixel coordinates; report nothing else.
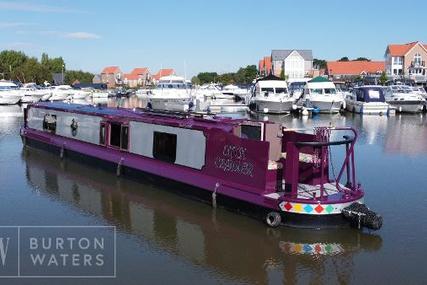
(19, 46)
(33, 7)
(82, 36)
(11, 25)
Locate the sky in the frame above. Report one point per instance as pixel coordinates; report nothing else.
(196, 35)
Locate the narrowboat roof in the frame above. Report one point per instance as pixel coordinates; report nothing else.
(167, 118)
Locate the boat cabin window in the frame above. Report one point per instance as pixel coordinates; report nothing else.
(330, 91)
(281, 90)
(119, 135)
(164, 146)
(316, 91)
(49, 123)
(268, 90)
(251, 132)
(102, 134)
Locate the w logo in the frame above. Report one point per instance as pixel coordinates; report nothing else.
(4, 247)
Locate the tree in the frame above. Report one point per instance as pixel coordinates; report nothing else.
(77, 75)
(383, 78)
(345, 58)
(282, 74)
(195, 80)
(319, 63)
(361, 59)
(207, 77)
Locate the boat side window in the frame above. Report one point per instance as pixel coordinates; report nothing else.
(49, 123)
(124, 137)
(164, 146)
(251, 132)
(330, 91)
(102, 134)
(316, 91)
(115, 131)
(281, 90)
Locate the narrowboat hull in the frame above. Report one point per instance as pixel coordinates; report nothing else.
(292, 218)
(219, 159)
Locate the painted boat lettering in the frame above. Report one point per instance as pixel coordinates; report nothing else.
(233, 159)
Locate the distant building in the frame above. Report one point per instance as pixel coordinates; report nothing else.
(295, 63)
(264, 66)
(406, 61)
(352, 69)
(142, 76)
(163, 72)
(112, 76)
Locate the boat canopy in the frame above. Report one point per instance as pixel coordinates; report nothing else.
(370, 94)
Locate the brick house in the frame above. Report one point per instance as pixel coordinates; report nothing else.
(112, 76)
(139, 76)
(264, 66)
(406, 60)
(163, 72)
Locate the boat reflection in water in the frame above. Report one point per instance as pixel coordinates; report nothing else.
(236, 247)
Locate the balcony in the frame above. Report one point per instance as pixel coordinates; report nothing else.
(416, 64)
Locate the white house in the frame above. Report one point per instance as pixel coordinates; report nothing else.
(294, 63)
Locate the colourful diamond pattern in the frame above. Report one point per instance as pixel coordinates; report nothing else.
(307, 248)
(329, 209)
(288, 206)
(319, 208)
(308, 208)
(298, 208)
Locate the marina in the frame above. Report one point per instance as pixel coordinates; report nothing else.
(212, 142)
(206, 242)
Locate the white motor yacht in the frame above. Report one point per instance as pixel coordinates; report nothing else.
(321, 95)
(404, 99)
(61, 92)
(31, 93)
(272, 96)
(368, 99)
(420, 90)
(172, 93)
(233, 90)
(9, 93)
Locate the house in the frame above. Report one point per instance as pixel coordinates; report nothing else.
(293, 63)
(352, 69)
(139, 76)
(406, 61)
(163, 72)
(264, 66)
(112, 76)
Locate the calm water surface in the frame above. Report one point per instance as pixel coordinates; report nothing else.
(165, 239)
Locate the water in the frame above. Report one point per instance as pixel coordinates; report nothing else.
(164, 238)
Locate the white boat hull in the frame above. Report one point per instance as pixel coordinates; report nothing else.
(273, 107)
(408, 106)
(374, 108)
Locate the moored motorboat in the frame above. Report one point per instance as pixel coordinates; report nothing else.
(321, 96)
(271, 96)
(404, 99)
(172, 93)
(9, 93)
(368, 99)
(268, 171)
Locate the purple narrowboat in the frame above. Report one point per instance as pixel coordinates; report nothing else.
(260, 168)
